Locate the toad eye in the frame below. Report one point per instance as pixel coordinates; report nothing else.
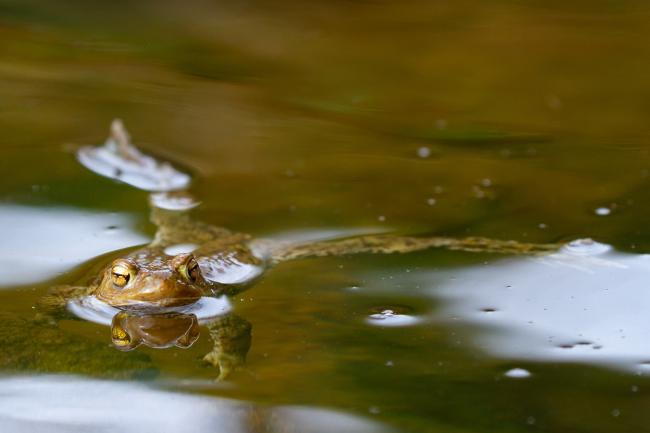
(190, 271)
(120, 337)
(120, 275)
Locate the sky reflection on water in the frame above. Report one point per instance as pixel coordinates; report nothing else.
(54, 404)
(584, 305)
(44, 242)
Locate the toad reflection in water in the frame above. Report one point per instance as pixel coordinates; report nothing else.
(189, 264)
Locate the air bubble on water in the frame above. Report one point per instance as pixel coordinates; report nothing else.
(374, 410)
(424, 152)
(616, 412)
(391, 316)
(174, 201)
(585, 247)
(431, 201)
(381, 218)
(483, 188)
(602, 211)
(530, 420)
(174, 250)
(517, 373)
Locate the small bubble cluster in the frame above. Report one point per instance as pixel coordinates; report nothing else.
(517, 373)
(391, 316)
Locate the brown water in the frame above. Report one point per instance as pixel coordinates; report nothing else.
(512, 120)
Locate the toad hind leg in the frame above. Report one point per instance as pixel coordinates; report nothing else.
(389, 244)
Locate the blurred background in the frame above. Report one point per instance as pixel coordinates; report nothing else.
(493, 118)
(518, 120)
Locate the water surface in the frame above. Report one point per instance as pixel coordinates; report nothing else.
(512, 120)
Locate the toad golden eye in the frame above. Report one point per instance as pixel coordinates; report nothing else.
(120, 275)
(120, 336)
(193, 270)
(190, 271)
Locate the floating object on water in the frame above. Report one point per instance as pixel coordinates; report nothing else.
(118, 159)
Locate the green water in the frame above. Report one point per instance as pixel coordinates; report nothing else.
(511, 120)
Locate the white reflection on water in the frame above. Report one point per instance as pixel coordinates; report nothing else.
(39, 243)
(587, 303)
(143, 172)
(90, 308)
(63, 404)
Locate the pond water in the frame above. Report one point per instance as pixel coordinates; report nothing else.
(305, 120)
